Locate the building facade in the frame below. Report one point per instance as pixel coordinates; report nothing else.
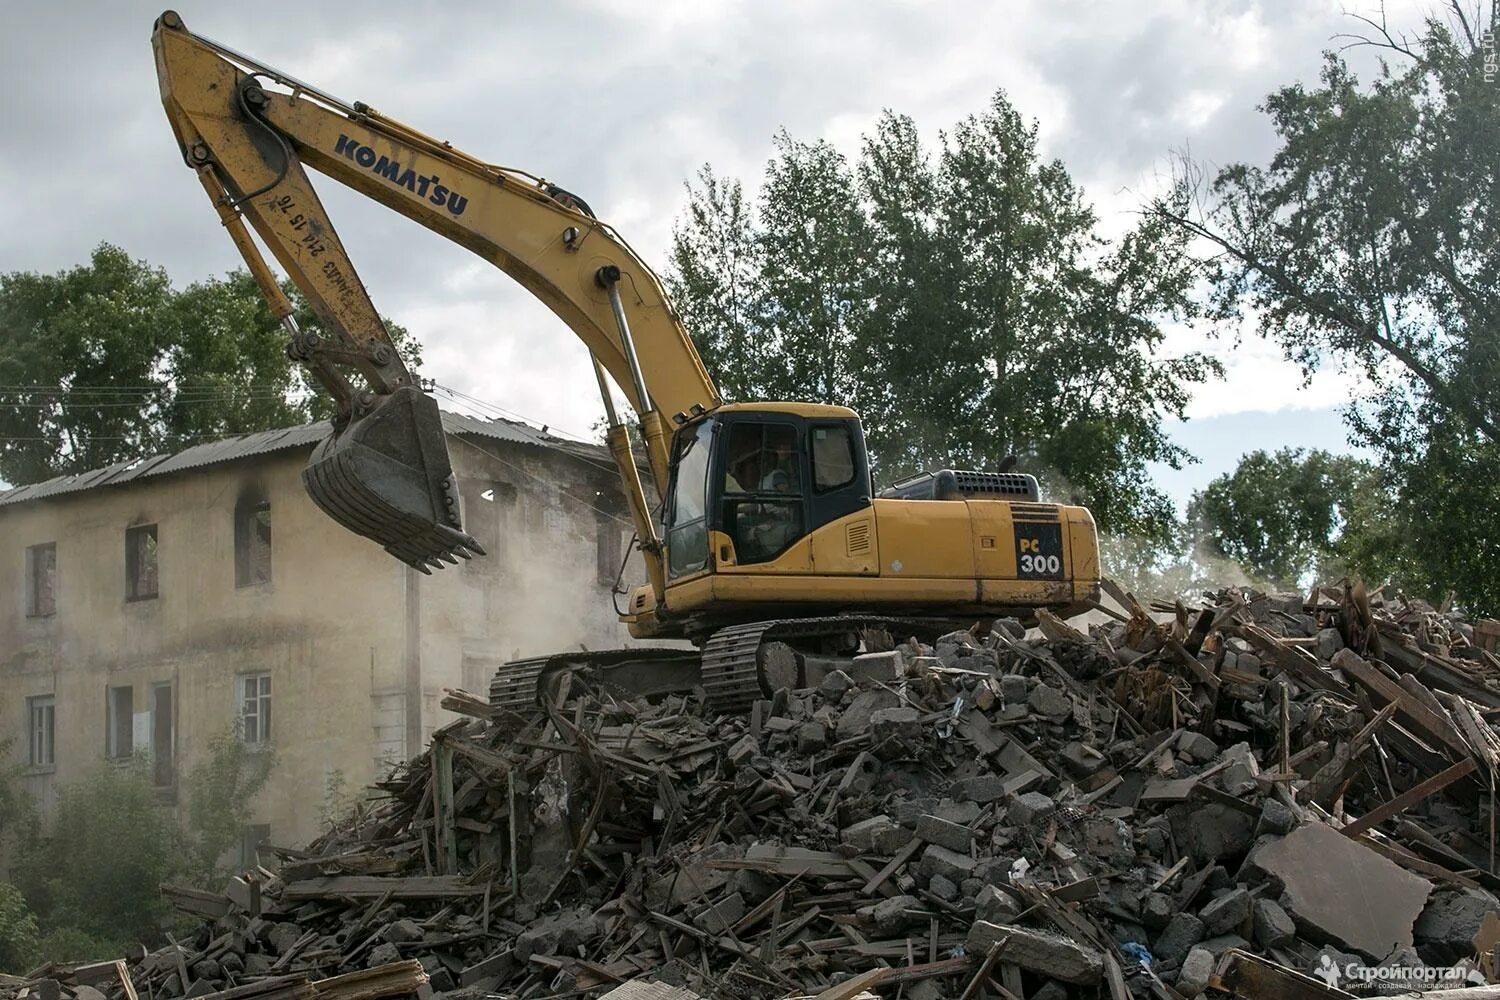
(153, 606)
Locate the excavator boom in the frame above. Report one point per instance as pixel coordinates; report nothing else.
(250, 130)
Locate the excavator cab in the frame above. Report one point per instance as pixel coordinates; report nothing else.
(751, 480)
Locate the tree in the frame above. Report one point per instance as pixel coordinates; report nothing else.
(1371, 240)
(1282, 517)
(714, 281)
(77, 363)
(18, 931)
(106, 362)
(221, 789)
(112, 845)
(964, 301)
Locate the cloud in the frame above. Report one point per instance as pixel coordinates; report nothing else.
(621, 104)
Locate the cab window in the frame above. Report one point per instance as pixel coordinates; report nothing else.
(762, 490)
(687, 536)
(762, 459)
(832, 457)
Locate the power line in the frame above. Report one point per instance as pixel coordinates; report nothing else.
(495, 408)
(90, 405)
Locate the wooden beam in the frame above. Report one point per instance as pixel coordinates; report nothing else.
(370, 886)
(1410, 797)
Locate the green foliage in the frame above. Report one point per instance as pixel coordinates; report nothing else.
(964, 303)
(93, 883)
(337, 799)
(18, 931)
(112, 845)
(68, 944)
(106, 362)
(93, 330)
(220, 791)
(1372, 240)
(17, 812)
(1281, 516)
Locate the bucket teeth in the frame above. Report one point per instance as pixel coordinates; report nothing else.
(387, 476)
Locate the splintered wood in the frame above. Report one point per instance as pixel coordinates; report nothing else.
(1138, 807)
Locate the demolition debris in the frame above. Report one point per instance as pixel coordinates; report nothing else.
(1242, 796)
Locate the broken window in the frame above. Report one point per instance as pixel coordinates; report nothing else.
(140, 562)
(252, 543)
(41, 713)
(163, 761)
(255, 708)
(477, 673)
(41, 580)
(610, 549)
(119, 731)
(489, 509)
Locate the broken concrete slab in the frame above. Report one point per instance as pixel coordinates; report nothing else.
(936, 830)
(1341, 890)
(1039, 951)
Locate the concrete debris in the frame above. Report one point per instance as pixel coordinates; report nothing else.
(1196, 970)
(1167, 801)
(1343, 892)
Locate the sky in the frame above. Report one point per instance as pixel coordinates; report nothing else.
(622, 103)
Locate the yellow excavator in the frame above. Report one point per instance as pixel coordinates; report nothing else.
(771, 550)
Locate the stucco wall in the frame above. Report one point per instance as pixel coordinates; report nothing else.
(332, 626)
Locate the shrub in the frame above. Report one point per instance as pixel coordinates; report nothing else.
(18, 931)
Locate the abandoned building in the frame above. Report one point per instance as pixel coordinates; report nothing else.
(158, 604)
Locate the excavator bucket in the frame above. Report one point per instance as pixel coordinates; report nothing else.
(387, 477)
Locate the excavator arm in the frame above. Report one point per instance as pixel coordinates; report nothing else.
(249, 131)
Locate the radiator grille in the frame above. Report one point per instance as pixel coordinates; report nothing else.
(858, 538)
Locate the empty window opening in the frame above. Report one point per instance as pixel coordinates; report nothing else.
(478, 671)
(489, 511)
(163, 760)
(140, 562)
(252, 839)
(41, 714)
(252, 543)
(255, 708)
(41, 580)
(119, 730)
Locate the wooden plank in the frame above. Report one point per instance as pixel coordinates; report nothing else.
(446, 848)
(126, 983)
(786, 861)
(1416, 716)
(902, 857)
(370, 886)
(281, 987)
(1410, 797)
(1303, 666)
(392, 979)
(1254, 978)
(850, 988)
(195, 901)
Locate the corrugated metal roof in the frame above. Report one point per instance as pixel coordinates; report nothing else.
(266, 442)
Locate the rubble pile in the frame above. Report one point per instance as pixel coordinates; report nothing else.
(1233, 797)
